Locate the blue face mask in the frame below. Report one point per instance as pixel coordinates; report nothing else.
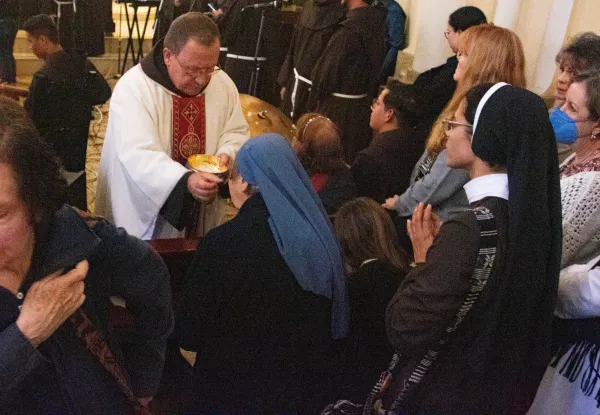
(565, 128)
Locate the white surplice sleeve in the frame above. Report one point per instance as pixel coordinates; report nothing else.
(579, 292)
(140, 150)
(235, 132)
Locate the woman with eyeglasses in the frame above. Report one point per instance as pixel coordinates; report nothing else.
(471, 322)
(486, 54)
(571, 384)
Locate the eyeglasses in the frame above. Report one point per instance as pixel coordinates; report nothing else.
(450, 124)
(446, 34)
(197, 73)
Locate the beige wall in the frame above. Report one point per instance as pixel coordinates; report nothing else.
(542, 25)
(584, 17)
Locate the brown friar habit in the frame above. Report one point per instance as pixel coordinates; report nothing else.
(169, 12)
(318, 23)
(241, 37)
(348, 68)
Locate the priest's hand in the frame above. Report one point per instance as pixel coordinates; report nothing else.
(422, 229)
(50, 301)
(203, 186)
(390, 203)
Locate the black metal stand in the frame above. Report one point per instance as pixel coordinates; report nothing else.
(134, 24)
(252, 88)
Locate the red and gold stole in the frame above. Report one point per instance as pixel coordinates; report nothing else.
(189, 128)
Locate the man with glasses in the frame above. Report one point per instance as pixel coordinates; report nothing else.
(384, 168)
(173, 105)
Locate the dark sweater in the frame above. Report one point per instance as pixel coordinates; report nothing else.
(384, 168)
(366, 352)
(61, 376)
(471, 375)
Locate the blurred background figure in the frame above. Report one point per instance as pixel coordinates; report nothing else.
(319, 148)
(9, 17)
(376, 265)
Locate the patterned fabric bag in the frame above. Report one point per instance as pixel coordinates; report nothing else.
(483, 268)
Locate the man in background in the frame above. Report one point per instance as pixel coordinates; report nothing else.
(346, 76)
(61, 97)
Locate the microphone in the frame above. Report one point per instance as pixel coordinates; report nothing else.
(274, 4)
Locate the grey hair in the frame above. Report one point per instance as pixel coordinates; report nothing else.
(235, 172)
(193, 25)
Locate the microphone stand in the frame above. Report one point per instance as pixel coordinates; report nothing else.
(256, 72)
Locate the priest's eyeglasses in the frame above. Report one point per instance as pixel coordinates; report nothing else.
(450, 124)
(197, 73)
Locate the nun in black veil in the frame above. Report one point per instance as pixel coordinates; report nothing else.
(471, 323)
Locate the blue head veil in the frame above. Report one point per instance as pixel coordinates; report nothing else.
(298, 221)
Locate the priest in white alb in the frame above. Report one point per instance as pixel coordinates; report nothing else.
(174, 104)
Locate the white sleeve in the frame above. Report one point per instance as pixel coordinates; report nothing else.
(578, 293)
(235, 132)
(140, 150)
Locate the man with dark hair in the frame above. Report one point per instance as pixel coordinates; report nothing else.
(318, 22)
(384, 168)
(436, 86)
(176, 103)
(60, 101)
(346, 75)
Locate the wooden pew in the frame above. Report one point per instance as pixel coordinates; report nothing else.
(177, 255)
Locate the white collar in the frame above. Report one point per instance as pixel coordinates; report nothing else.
(495, 185)
(366, 261)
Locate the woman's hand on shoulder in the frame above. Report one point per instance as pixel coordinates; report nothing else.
(50, 301)
(422, 229)
(390, 203)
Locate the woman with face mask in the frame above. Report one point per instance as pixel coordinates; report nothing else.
(580, 56)
(571, 382)
(577, 122)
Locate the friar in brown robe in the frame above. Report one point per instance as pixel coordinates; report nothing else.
(240, 36)
(345, 78)
(319, 21)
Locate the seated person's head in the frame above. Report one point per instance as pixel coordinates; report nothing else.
(191, 52)
(579, 56)
(239, 190)
(490, 53)
(483, 136)
(459, 130)
(396, 105)
(487, 54)
(578, 119)
(318, 145)
(42, 35)
(32, 187)
(365, 231)
(459, 21)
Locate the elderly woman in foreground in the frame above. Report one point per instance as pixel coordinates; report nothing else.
(57, 271)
